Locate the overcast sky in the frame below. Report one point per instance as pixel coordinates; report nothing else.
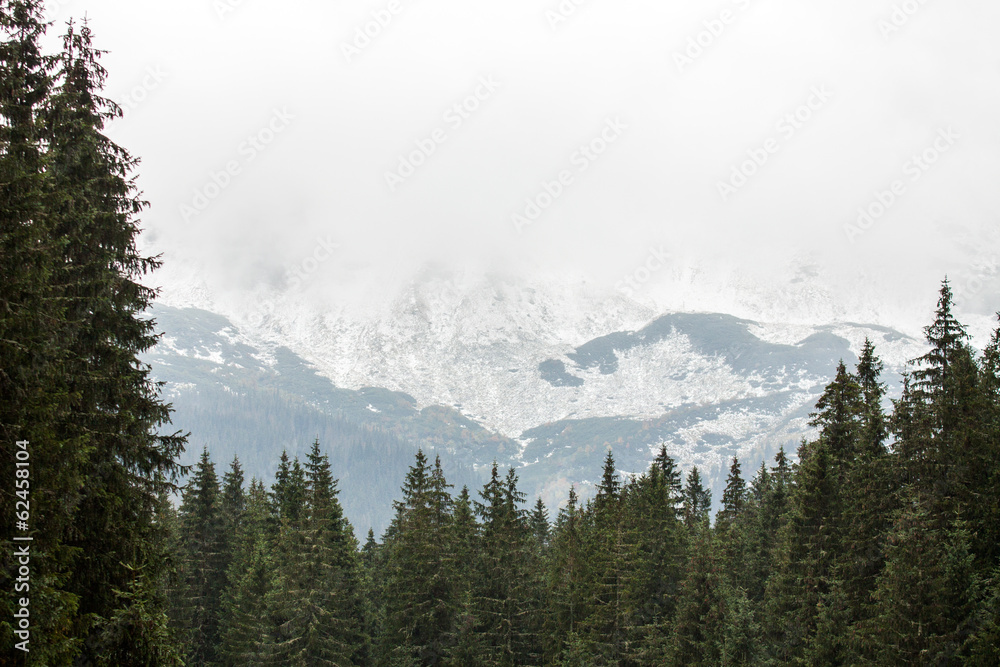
(739, 137)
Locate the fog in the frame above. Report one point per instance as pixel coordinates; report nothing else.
(773, 151)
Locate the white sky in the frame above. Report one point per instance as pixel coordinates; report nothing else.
(221, 78)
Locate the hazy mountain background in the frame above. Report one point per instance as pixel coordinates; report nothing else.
(541, 376)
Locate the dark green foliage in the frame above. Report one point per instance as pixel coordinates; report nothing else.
(502, 595)
(419, 593)
(857, 554)
(566, 581)
(926, 599)
(803, 578)
(244, 625)
(315, 604)
(734, 496)
(697, 500)
(72, 326)
(204, 565)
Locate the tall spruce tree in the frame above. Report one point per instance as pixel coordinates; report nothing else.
(420, 596)
(71, 328)
(566, 581)
(734, 496)
(660, 558)
(869, 503)
(697, 500)
(611, 554)
(36, 405)
(802, 581)
(501, 594)
(315, 601)
(94, 203)
(244, 624)
(204, 567)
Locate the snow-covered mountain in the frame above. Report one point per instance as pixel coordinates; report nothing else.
(542, 376)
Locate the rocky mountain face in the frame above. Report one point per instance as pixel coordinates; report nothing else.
(544, 378)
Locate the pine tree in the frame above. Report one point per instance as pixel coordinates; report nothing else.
(138, 633)
(315, 601)
(874, 425)
(697, 500)
(71, 329)
(244, 625)
(660, 558)
(540, 525)
(701, 608)
(942, 386)
(372, 566)
(566, 580)
(611, 561)
(610, 486)
(36, 405)
(734, 496)
(869, 502)
(94, 203)
(925, 612)
(798, 589)
(837, 415)
(204, 564)
(986, 515)
(501, 594)
(288, 493)
(232, 506)
(420, 596)
(233, 497)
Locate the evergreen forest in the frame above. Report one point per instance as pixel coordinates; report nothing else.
(876, 543)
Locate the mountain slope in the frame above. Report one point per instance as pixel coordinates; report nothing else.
(543, 379)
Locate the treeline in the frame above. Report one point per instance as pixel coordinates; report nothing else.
(878, 546)
(81, 468)
(257, 424)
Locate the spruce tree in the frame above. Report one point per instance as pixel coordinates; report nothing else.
(204, 562)
(660, 558)
(420, 596)
(927, 595)
(540, 525)
(869, 503)
(501, 593)
(71, 330)
(837, 416)
(566, 579)
(800, 586)
(37, 396)
(94, 203)
(697, 500)
(611, 564)
(734, 496)
(315, 601)
(244, 623)
(701, 607)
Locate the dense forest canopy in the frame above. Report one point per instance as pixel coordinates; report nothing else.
(877, 543)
